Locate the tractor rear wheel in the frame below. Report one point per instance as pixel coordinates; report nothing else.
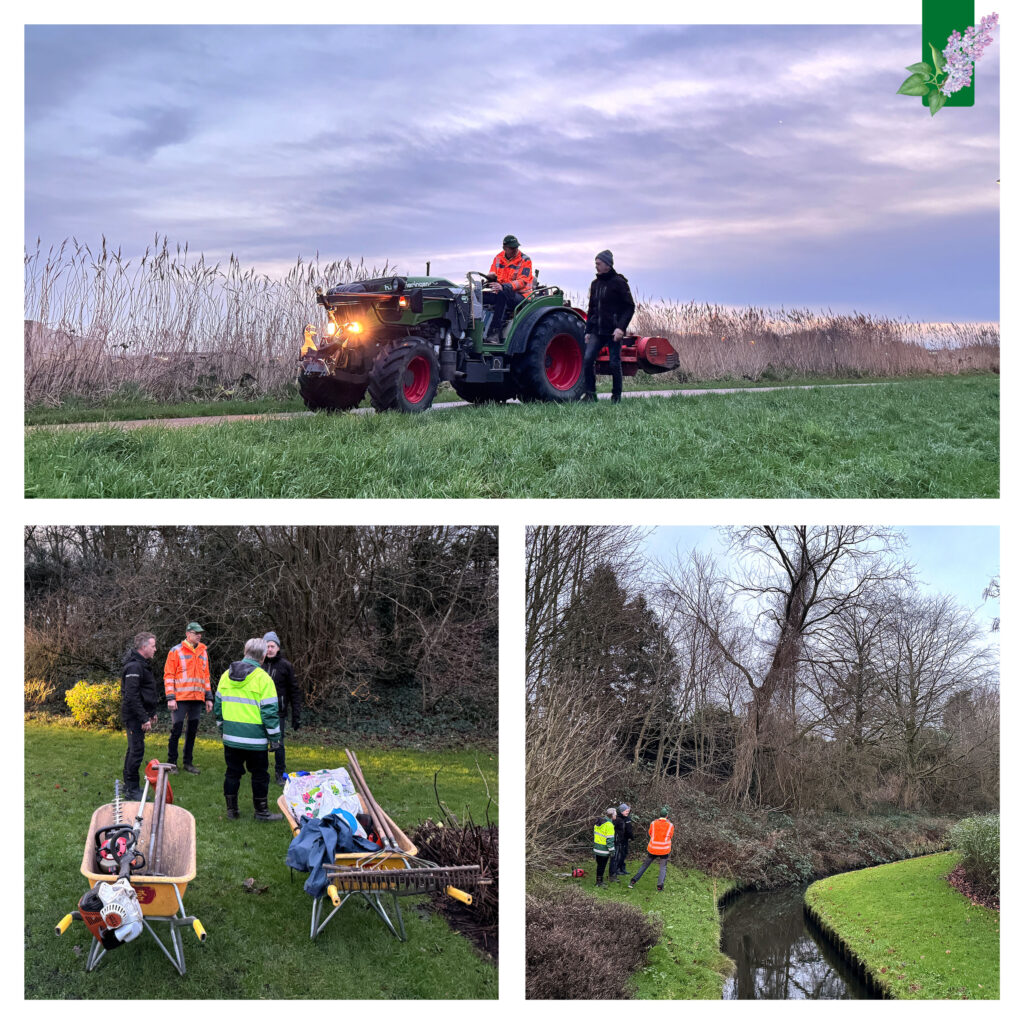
(551, 368)
(404, 377)
(478, 394)
(329, 394)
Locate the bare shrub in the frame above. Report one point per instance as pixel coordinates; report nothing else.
(581, 948)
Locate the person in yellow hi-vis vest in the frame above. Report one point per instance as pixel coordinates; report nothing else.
(247, 716)
(187, 688)
(604, 842)
(658, 848)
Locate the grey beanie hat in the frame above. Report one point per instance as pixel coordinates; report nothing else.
(605, 256)
(271, 638)
(623, 808)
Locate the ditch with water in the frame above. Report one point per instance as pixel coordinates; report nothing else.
(779, 954)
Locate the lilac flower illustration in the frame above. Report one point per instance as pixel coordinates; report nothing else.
(953, 67)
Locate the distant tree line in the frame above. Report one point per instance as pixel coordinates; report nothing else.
(365, 613)
(811, 672)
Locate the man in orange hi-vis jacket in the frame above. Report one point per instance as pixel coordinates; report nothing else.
(187, 688)
(658, 848)
(513, 282)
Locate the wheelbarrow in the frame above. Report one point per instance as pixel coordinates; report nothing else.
(160, 896)
(384, 876)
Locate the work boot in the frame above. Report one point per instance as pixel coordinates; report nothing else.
(588, 396)
(232, 802)
(630, 886)
(279, 777)
(261, 812)
(192, 769)
(661, 888)
(132, 793)
(616, 398)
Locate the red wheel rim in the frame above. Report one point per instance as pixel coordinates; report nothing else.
(416, 379)
(563, 361)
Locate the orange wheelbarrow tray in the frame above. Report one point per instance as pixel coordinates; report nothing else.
(382, 860)
(160, 896)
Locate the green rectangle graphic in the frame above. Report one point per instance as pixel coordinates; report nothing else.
(939, 18)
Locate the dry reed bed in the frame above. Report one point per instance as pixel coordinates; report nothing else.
(171, 325)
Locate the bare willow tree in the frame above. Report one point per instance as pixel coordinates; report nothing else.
(931, 654)
(792, 582)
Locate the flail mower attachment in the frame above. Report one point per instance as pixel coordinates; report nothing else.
(652, 355)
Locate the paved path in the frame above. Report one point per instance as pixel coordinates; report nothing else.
(194, 421)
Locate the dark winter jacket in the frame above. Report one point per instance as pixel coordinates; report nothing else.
(139, 695)
(611, 304)
(623, 829)
(313, 849)
(280, 669)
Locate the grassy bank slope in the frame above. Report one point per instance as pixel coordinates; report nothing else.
(687, 962)
(915, 935)
(258, 945)
(933, 438)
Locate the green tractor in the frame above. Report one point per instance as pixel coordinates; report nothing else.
(399, 337)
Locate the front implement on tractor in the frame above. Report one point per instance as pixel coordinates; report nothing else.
(398, 338)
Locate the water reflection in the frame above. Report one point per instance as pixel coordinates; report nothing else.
(778, 956)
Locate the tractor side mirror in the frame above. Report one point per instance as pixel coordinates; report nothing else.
(416, 301)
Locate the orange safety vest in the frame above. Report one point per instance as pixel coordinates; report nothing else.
(517, 271)
(661, 836)
(187, 673)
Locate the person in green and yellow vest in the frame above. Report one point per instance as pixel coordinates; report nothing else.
(604, 842)
(247, 715)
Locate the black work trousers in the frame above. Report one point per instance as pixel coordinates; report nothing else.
(237, 761)
(136, 752)
(280, 765)
(187, 711)
(618, 866)
(596, 342)
(508, 298)
(602, 861)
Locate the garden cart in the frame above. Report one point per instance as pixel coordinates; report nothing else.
(382, 877)
(399, 337)
(159, 896)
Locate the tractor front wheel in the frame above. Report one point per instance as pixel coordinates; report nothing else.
(329, 394)
(551, 368)
(404, 377)
(478, 394)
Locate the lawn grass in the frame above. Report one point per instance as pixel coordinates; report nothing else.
(258, 945)
(916, 935)
(145, 409)
(925, 439)
(687, 962)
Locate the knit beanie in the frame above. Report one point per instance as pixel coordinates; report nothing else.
(605, 256)
(271, 637)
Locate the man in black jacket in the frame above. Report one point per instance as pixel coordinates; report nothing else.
(279, 668)
(609, 311)
(139, 697)
(623, 834)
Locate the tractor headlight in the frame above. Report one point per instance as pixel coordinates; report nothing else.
(353, 327)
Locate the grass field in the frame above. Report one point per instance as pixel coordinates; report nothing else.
(915, 934)
(258, 945)
(687, 962)
(925, 439)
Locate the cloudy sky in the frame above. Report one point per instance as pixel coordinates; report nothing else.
(742, 165)
(957, 560)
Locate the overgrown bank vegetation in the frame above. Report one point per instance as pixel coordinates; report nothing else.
(803, 707)
(170, 325)
(392, 630)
